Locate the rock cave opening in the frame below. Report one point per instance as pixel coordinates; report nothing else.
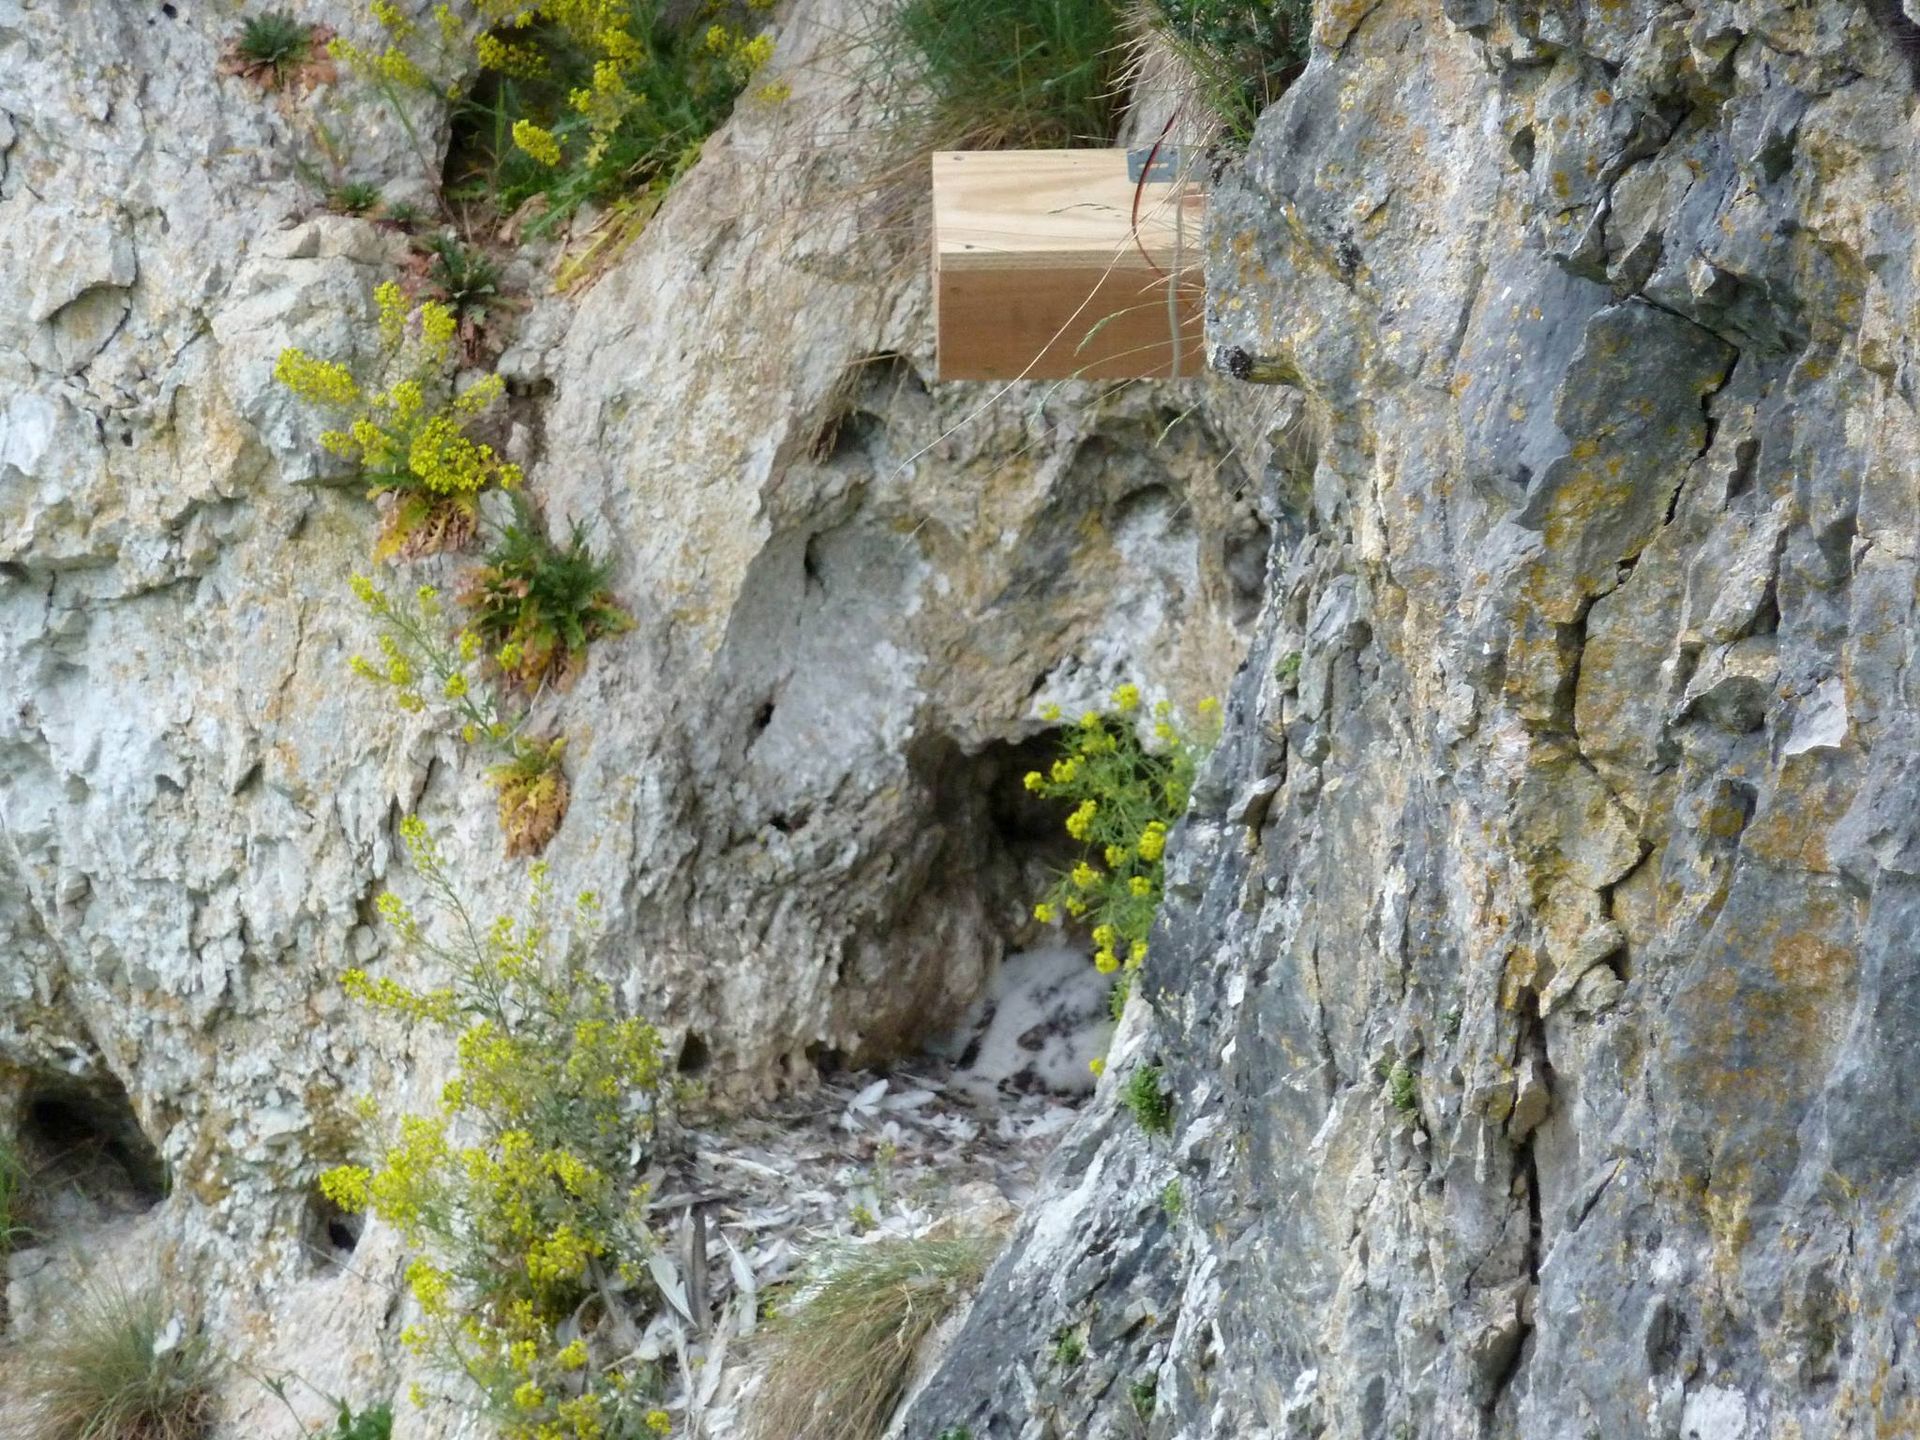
(1043, 1012)
(86, 1156)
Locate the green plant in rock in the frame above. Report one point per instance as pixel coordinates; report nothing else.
(1173, 1200)
(1287, 671)
(1012, 74)
(1126, 798)
(271, 47)
(1143, 1395)
(839, 1360)
(537, 606)
(424, 662)
(403, 214)
(462, 276)
(532, 793)
(410, 439)
(578, 99)
(520, 1192)
(375, 1423)
(115, 1364)
(1145, 1096)
(1244, 53)
(1403, 1089)
(1069, 1349)
(354, 197)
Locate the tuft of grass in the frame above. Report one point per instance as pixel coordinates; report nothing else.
(1403, 1089)
(462, 276)
(274, 44)
(13, 1194)
(537, 606)
(404, 215)
(1003, 74)
(840, 1360)
(1144, 1395)
(117, 1366)
(354, 197)
(1069, 1349)
(1242, 53)
(1145, 1094)
(1173, 1199)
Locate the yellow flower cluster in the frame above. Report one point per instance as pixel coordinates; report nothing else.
(435, 1006)
(409, 439)
(742, 52)
(561, 1257)
(1153, 840)
(505, 57)
(322, 382)
(604, 56)
(442, 459)
(1125, 798)
(537, 141)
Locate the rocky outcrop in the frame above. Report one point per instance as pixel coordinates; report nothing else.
(1536, 998)
(796, 783)
(1535, 993)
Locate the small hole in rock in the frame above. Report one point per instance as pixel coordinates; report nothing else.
(330, 1234)
(1247, 553)
(694, 1054)
(1521, 148)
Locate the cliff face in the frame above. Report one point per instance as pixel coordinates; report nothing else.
(795, 783)
(1538, 999)
(1535, 995)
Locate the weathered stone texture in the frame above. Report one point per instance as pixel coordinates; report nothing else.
(1593, 814)
(854, 594)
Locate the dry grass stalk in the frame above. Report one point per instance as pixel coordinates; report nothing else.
(115, 1365)
(841, 1359)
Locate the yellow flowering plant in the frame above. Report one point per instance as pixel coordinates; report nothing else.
(582, 99)
(1126, 793)
(425, 664)
(519, 1192)
(409, 433)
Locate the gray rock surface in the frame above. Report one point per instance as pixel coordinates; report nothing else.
(1540, 1044)
(1536, 994)
(794, 782)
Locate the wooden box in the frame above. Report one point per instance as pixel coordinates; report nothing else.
(1041, 270)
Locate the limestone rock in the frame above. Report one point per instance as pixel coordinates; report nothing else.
(1589, 308)
(796, 781)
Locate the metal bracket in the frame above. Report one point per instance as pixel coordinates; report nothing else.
(1164, 166)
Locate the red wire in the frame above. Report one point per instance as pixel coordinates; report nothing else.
(1139, 190)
